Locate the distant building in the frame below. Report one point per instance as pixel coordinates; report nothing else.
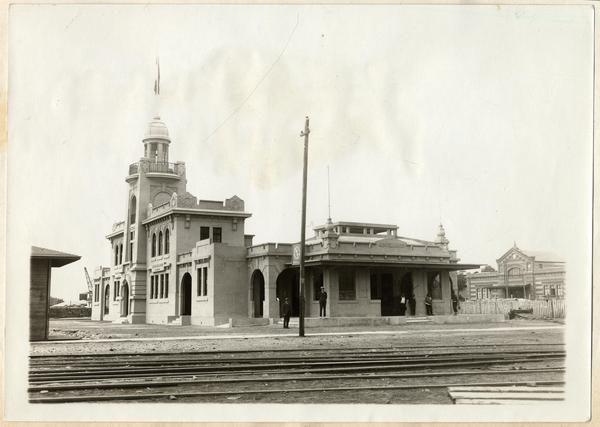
(180, 260)
(42, 262)
(521, 274)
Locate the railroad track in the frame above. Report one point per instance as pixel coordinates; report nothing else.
(214, 376)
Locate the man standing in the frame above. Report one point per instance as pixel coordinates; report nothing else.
(428, 305)
(454, 299)
(402, 305)
(322, 302)
(287, 312)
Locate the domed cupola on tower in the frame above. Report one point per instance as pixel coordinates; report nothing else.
(156, 141)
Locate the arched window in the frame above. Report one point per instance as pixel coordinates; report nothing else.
(132, 207)
(160, 243)
(516, 271)
(121, 253)
(117, 255)
(153, 244)
(167, 241)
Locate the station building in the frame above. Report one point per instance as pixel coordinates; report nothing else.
(521, 274)
(180, 260)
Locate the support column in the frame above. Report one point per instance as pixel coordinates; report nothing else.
(137, 296)
(330, 284)
(270, 304)
(420, 290)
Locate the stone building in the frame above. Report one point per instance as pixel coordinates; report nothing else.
(521, 274)
(365, 269)
(172, 250)
(180, 260)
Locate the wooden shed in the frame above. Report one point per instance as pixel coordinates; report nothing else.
(42, 261)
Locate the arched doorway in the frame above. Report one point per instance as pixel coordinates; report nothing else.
(106, 299)
(124, 299)
(186, 295)
(258, 293)
(288, 286)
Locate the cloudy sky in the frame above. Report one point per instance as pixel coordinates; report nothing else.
(477, 117)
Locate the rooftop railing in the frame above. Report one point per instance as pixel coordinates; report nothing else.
(156, 167)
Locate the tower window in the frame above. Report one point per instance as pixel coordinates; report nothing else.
(132, 208)
(153, 244)
(167, 241)
(204, 233)
(160, 242)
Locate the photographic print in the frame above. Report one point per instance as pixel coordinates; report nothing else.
(300, 212)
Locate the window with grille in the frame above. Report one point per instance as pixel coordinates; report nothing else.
(217, 231)
(347, 288)
(167, 285)
(204, 233)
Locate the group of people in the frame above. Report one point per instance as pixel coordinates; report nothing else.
(429, 303)
(410, 303)
(286, 309)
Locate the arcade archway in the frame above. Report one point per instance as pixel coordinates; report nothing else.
(186, 295)
(258, 293)
(288, 286)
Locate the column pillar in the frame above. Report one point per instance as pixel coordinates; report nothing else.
(420, 291)
(330, 285)
(270, 304)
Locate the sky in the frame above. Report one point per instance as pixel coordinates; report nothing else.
(476, 117)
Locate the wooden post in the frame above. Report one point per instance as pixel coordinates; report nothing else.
(304, 134)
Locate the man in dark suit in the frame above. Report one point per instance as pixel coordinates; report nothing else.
(286, 310)
(322, 302)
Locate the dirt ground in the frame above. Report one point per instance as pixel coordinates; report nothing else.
(163, 338)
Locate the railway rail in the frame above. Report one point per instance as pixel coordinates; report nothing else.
(259, 375)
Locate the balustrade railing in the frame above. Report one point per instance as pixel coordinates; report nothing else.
(154, 167)
(162, 167)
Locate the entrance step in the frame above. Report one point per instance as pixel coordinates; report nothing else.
(179, 320)
(419, 320)
(121, 321)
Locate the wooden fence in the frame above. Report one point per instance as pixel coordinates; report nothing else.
(552, 309)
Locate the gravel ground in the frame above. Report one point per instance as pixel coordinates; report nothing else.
(175, 339)
(248, 338)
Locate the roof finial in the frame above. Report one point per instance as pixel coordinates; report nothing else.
(441, 237)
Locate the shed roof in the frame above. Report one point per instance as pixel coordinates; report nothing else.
(58, 258)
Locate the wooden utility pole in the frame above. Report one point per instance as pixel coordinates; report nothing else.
(304, 134)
